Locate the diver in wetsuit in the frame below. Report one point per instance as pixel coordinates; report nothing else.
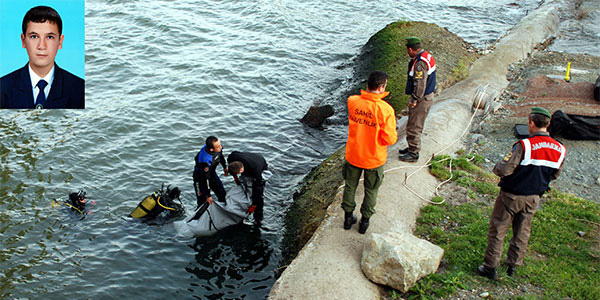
(205, 175)
(76, 202)
(252, 166)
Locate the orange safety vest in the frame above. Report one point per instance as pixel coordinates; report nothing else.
(371, 128)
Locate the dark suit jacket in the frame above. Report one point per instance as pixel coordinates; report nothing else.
(67, 90)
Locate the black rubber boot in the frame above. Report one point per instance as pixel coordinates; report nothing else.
(349, 220)
(409, 157)
(510, 271)
(403, 151)
(490, 273)
(363, 225)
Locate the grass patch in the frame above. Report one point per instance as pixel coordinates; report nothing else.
(466, 172)
(559, 261)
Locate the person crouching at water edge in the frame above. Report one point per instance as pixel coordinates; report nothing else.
(250, 166)
(371, 128)
(525, 175)
(205, 175)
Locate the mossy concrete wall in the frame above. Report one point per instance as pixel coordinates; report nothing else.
(386, 51)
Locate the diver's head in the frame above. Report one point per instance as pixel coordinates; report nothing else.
(174, 193)
(78, 199)
(213, 144)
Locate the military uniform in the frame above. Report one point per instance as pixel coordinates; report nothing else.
(420, 85)
(526, 172)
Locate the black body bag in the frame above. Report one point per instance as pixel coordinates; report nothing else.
(574, 127)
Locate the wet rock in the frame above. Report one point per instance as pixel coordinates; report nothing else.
(398, 259)
(316, 115)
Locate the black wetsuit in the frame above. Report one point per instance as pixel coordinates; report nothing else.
(205, 176)
(254, 165)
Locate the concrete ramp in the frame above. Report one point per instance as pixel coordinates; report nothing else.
(328, 267)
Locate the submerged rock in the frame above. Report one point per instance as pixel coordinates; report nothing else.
(316, 115)
(398, 259)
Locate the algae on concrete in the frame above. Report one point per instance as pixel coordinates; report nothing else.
(385, 51)
(310, 204)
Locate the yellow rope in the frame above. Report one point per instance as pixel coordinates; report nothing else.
(73, 207)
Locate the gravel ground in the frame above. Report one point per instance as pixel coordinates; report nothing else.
(493, 136)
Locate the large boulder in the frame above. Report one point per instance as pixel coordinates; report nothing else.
(399, 259)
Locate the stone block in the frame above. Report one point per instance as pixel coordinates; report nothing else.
(399, 260)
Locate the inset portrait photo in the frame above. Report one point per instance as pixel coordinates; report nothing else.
(42, 54)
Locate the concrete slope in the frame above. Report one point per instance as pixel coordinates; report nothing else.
(328, 267)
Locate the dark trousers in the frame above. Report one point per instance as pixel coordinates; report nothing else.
(373, 180)
(215, 184)
(416, 122)
(517, 211)
(258, 188)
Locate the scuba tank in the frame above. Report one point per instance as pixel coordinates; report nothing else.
(160, 201)
(147, 207)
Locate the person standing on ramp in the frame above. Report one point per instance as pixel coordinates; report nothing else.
(371, 128)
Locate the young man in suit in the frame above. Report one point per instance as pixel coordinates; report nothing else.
(41, 83)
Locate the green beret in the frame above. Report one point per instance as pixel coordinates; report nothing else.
(541, 111)
(412, 40)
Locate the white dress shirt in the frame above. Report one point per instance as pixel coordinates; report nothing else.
(35, 79)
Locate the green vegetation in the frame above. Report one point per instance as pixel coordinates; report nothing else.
(563, 257)
(386, 51)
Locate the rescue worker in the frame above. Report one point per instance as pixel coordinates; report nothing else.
(371, 128)
(525, 174)
(153, 205)
(420, 85)
(205, 175)
(78, 201)
(250, 165)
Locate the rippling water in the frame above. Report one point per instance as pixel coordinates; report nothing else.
(579, 28)
(161, 76)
